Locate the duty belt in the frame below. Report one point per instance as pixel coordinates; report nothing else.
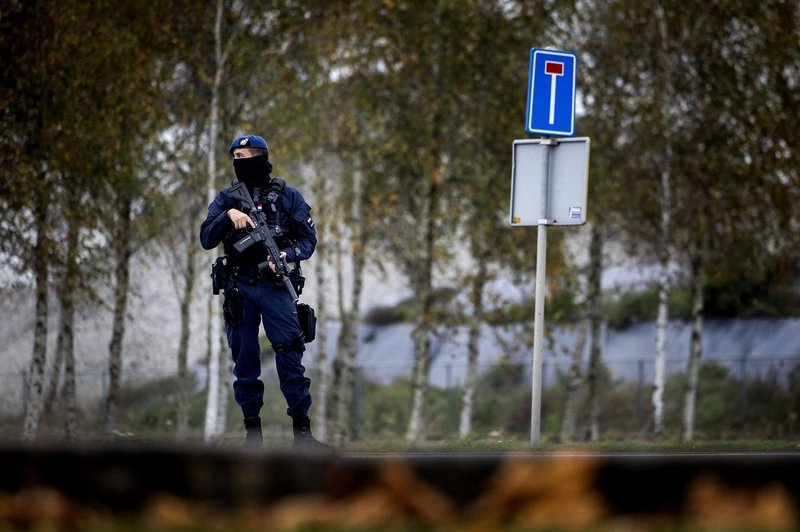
(251, 274)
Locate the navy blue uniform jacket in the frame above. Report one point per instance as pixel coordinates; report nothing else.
(296, 222)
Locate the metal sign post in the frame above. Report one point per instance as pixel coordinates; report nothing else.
(549, 183)
(538, 324)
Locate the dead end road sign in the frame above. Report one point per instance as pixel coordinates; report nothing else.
(551, 93)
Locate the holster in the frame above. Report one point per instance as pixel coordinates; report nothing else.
(220, 273)
(308, 322)
(232, 308)
(297, 279)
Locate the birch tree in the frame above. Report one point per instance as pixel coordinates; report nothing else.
(346, 347)
(695, 348)
(206, 96)
(46, 44)
(574, 385)
(263, 58)
(180, 242)
(415, 162)
(320, 189)
(632, 91)
(339, 73)
(226, 33)
(406, 160)
(215, 416)
(64, 70)
(414, 65)
(732, 91)
(122, 254)
(473, 337)
(31, 34)
(593, 302)
(131, 113)
(35, 373)
(70, 287)
(72, 276)
(666, 65)
(673, 66)
(489, 96)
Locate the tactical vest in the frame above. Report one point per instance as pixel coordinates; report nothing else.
(267, 200)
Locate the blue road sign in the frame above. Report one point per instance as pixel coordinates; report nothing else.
(551, 93)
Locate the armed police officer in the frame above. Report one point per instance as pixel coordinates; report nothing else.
(254, 291)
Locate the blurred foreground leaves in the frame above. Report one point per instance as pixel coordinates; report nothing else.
(521, 493)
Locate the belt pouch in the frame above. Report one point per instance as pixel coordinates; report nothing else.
(308, 322)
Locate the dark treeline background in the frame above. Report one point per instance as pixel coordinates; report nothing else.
(399, 117)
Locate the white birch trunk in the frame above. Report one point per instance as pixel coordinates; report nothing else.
(67, 332)
(56, 375)
(468, 397)
(344, 405)
(69, 389)
(421, 269)
(421, 336)
(35, 376)
(54, 385)
(569, 423)
(226, 383)
(481, 254)
(122, 278)
(659, 378)
(696, 352)
(321, 421)
(183, 343)
(419, 380)
(338, 401)
(347, 345)
(211, 429)
(212, 390)
(595, 271)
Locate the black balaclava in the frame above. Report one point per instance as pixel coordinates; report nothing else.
(251, 170)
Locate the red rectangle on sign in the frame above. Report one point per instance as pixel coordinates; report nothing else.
(552, 67)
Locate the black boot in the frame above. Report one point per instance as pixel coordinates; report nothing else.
(253, 437)
(304, 440)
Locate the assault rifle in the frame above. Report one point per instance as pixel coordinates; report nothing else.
(262, 234)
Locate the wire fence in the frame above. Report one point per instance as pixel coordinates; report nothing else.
(744, 398)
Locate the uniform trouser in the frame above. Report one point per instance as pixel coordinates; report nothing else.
(271, 304)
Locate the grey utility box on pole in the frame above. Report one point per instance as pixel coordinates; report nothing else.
(568, 177)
